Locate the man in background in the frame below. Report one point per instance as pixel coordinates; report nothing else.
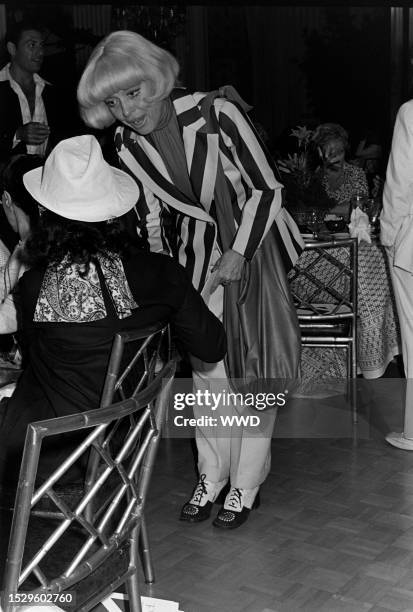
(28, 103)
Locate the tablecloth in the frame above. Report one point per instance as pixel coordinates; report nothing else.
(378, 333)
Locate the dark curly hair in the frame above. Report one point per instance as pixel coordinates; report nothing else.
(55, 238)
(12, 181)
(15, 31)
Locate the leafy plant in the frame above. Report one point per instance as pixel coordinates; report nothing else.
(304, 189)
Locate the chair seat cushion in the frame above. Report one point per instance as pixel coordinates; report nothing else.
(323, 310)
(312, 325)
(341, 328)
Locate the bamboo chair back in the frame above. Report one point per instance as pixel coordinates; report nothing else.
(125, 437)
(324, 288)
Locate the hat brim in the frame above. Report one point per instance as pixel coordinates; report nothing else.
(127, 194)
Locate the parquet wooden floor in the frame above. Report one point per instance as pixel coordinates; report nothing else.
(334, 532)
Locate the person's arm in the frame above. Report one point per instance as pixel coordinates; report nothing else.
(12, 271)
(259, 197)
(262, 191)
(147, 219)
(398, 187)
(8, 315)
(4, 260)
(198, 330)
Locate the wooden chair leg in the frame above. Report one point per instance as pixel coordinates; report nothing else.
(145, 551)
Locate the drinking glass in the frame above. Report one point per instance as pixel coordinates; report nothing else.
(372, 209)
(315, 222)
(358, 201)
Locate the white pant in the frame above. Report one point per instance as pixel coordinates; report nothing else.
(238, 453)
(403, 291)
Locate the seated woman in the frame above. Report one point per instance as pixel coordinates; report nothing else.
(20, 212)
(84, 285)
(341, 180)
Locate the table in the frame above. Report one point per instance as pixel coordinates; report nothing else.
(378, 333)
(378, 326)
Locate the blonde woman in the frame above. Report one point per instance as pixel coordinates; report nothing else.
(208, 196)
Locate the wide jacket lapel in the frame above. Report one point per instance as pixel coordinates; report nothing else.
(201, 148)
(201, 152)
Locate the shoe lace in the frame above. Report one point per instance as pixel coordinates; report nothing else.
(235, 497)
(200, 490)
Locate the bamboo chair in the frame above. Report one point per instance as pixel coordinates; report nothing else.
(124, 438)
(324, 289)
(126, 375)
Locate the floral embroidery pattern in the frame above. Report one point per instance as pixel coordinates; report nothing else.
(68, 296)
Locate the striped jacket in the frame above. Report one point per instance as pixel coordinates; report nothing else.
(250, 178)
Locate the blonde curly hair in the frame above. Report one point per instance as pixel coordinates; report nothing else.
(120, 61)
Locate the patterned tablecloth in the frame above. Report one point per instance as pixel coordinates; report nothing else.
(378, 325)
(378, 333)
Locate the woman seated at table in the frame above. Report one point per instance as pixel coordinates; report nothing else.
(20, 213)
(341, 180)
(85, 283)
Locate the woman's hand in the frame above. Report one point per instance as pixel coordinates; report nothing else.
(332, 155)
(228, 268)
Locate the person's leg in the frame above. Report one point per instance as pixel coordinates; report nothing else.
(230, 451)
(213, 449)
(238, 451)
(251, 455)
(250, 463)
(403, 291)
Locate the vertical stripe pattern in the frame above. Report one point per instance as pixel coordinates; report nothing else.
(250, 177)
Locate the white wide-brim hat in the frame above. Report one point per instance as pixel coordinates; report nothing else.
(77, 183)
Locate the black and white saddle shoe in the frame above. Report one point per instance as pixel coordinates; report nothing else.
(199, 507)
(238, 504)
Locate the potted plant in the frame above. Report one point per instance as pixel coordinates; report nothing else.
(304, 190)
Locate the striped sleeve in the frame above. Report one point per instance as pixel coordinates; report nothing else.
(260, 201)
(151, 217)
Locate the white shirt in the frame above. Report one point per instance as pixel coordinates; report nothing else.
(39, 114)
(11, 269)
